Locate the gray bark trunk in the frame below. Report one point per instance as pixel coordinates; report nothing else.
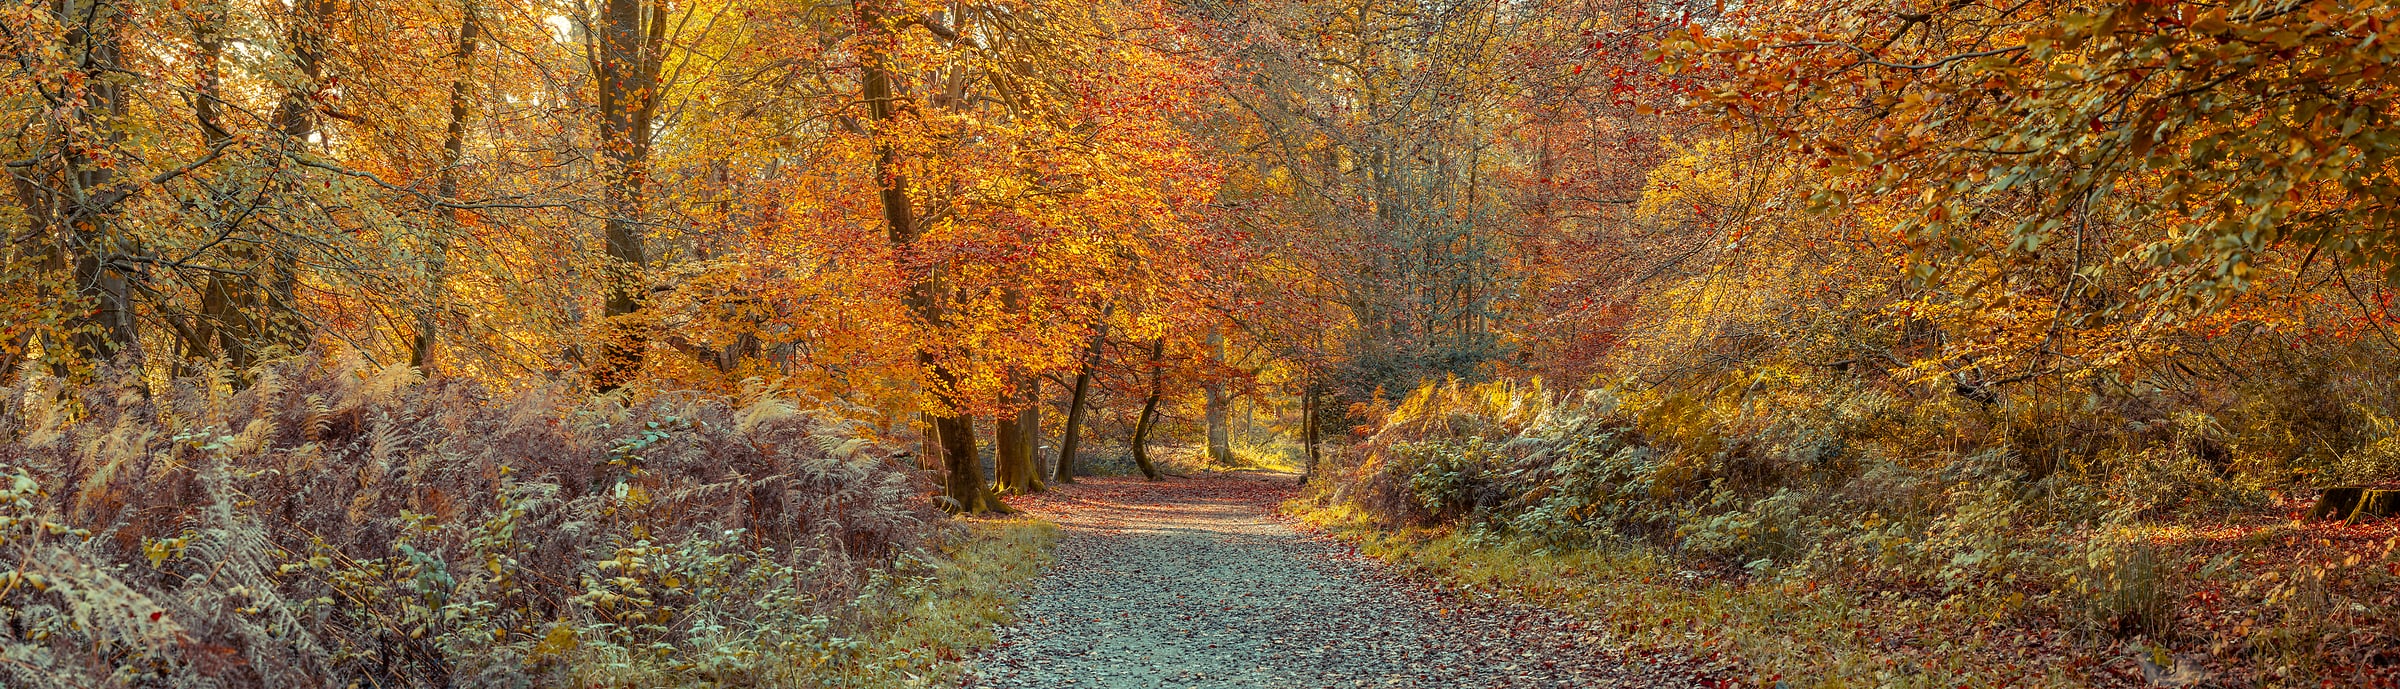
(421, 351)
(1220, 441)
(454, 146)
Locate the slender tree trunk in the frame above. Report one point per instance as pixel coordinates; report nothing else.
(1077, 401)
(1308, 430)
(216, 314)
(1063, 471)
(1031, 420)
(1149, 418)
(929, 449)
(1249, 430)
(277, 325)
(631, 36)
(454, 147)
(964, 489)
(1214, 403)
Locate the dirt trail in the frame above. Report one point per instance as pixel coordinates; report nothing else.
(1193, 583)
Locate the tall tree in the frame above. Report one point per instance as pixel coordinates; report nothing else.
(454, 146)
(70, 193)
(627, 50)
(225, 303)
(278, 324)
(951, 421)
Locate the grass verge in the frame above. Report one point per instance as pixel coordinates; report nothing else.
(1761, 632)
(946, 612)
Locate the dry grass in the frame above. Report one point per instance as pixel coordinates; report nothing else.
(976, 585)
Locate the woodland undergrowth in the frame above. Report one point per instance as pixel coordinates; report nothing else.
(1798, 533)
(325, 522)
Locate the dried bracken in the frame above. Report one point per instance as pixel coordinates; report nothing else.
(1817, 534)
(340, 524)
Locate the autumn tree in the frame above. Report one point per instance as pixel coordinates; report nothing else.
(628, 48)
(446, 186)
(2079, 192)
(1429, 190)
(2253, 123)
(70, 190)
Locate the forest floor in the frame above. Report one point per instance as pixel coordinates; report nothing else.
(1196, 582)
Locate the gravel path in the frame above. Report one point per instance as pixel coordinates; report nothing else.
(1192, 583)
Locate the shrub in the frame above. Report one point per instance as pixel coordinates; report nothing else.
(1756, 536)
(1591, 484)
(335, 523)
(1448, 479)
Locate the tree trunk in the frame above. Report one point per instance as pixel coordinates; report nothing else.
(1013, 449)
(1013, 460)
(221, 322)
(965, 490)
(963, 487)
(454, 146)
(277, 325)
(82, 217)
(1063, 471)
(1029, 421)
(929, 449)
(1248, 430)
(1220, 442)
(1149, 418)
(1011, 465)
(2355, 504)
(1070, 438)
(255, 306)
(1308, 430)
(631, 37)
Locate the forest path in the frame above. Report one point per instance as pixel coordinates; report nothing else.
(1195, 583)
